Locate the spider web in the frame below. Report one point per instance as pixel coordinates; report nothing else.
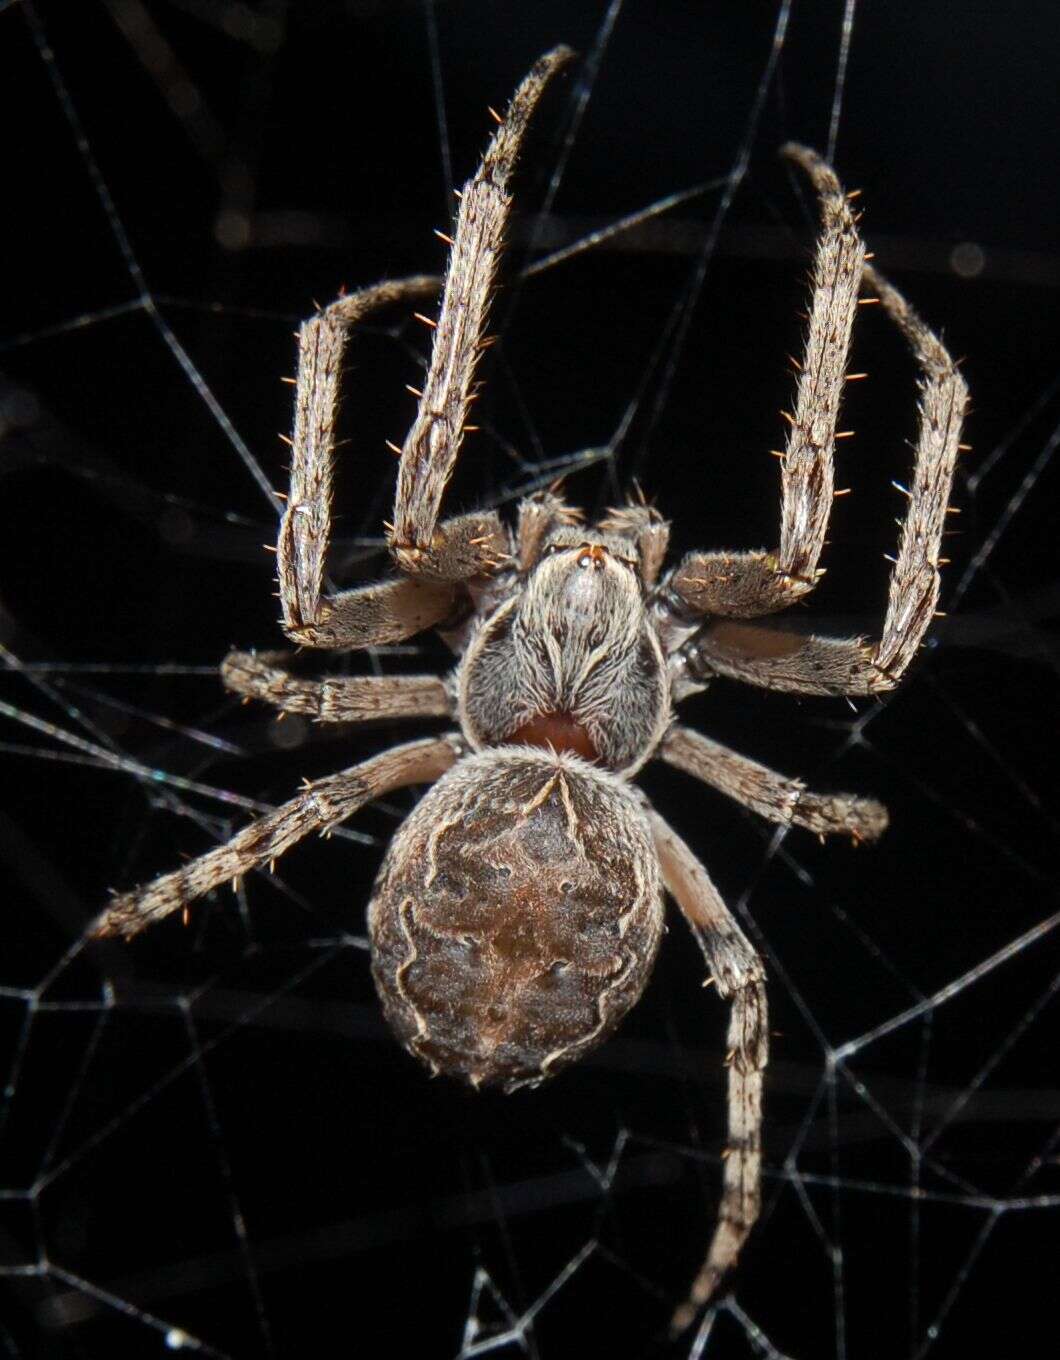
(208, 1139)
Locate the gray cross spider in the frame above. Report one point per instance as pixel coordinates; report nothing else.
(517, 914)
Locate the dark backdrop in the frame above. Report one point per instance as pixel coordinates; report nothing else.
(209, 1137)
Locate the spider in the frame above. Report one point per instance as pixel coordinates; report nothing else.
(518, 910)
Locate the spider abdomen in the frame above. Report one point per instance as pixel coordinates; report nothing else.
(516, 917)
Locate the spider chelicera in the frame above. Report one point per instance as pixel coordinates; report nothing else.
(519, 908)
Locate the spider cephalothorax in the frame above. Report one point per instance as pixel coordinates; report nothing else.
(518, 911)
(571, 659)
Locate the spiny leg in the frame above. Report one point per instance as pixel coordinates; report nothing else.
(379, 614)
(417, 542)
(773, 796)
(915, 583)
(744, 585)
(337, 698)
(812, 665)
(773, 657)
(320, 806)
(740, 978)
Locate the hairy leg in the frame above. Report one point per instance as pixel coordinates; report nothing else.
(740, 978)
(772, 796)
(432, 445)
(320, 806)
(744, 585)
(309, 616)
(338, 698)
(811, 665)
(915, 582)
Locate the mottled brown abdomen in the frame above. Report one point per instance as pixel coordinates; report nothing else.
(517, 915)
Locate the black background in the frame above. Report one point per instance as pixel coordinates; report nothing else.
(211, 1130)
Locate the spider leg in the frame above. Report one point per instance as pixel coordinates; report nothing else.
(320, 806)
(915, 582)
(436, 557)
(772, 796)
(740, 977)
(815, 665)
(337, 698)
(371, 615)
(459, 550)
(745, 585)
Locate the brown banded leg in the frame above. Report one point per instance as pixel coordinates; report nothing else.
(914, 587)
(321, 805)
(773, 657)
(471, 545)
(744, 585)
(740, 978)
(761, 655)
(772, 796)
(338, 698)
(310, 616)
